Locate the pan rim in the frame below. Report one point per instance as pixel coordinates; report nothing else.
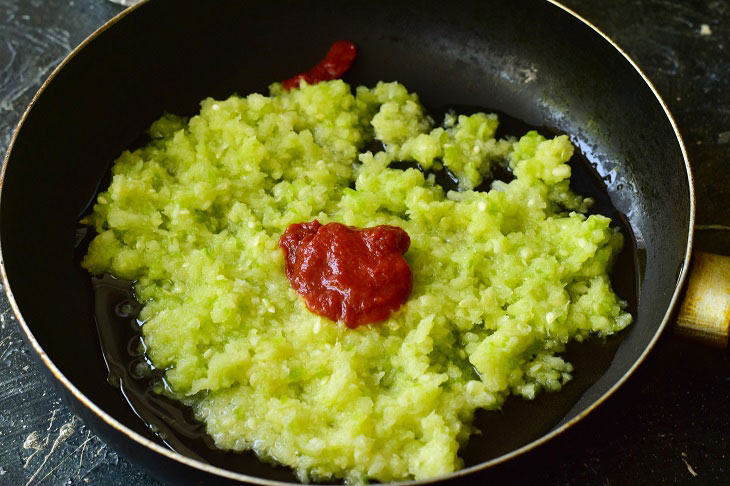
(224, 473)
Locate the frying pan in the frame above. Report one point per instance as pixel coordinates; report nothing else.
(530, 59)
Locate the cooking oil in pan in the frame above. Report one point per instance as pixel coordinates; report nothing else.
(517, 424)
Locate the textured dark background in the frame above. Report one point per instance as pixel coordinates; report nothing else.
(670, 422)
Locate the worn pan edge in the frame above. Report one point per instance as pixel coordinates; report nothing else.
(109, 420)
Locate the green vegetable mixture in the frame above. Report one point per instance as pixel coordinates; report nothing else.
(502, 280)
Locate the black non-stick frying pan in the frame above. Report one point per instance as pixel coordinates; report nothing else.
(530, 59)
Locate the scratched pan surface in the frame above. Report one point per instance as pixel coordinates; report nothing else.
(530, 59)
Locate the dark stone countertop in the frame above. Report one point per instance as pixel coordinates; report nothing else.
(668, 424)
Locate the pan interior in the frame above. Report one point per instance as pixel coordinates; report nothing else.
(528, 59)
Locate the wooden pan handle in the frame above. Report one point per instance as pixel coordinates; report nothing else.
(705, 313)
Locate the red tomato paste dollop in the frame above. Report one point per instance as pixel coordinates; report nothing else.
(357, 276)
(335, 63)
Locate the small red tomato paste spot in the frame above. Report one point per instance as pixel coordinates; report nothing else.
(357, 276)
(335, 63)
